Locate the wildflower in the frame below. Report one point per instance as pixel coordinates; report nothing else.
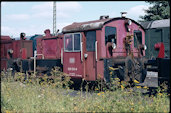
(136, 81)
(152, 96)
(118, 82)
(132, 109)
(123, 82)
(145, 87)
(138, 86)
(111, 73)
(132, 103)
(29, 80)
(98, 94)
(96, 89)
(75, 108)
(7, 111)
(122, 86)
(116, 78)
(165, 111)
(130, 90)
(160, 94)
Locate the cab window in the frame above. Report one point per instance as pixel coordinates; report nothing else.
(137, 34)
(72, 42)
(110, 34)
(90, 40)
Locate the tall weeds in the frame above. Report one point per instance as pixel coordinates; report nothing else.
(27, 93)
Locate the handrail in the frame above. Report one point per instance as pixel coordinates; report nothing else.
(96, 49)
(61, 55)
(81, 51)
(35, 54)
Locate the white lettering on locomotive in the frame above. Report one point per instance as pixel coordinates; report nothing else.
(72, 69)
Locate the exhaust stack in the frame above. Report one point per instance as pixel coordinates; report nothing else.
(123, 14)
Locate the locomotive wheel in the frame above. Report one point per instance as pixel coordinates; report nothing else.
(134, 70)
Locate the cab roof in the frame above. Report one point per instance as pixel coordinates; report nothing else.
(156, 24)
(92, 25)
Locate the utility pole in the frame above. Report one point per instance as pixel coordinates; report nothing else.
(54, 18)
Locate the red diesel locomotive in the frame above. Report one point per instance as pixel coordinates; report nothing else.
(13, 51)
(92, 48)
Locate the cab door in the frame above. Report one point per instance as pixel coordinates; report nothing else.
(72, 59)
(90, 56)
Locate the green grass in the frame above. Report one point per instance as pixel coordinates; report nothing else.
(29, 97)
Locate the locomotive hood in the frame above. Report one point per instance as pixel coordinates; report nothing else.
(91, 25)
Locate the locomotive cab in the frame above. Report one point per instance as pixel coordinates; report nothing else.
(92, 48)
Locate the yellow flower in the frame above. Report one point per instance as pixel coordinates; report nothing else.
(118, 82)
(145, 87)
(116, 78)
(160, 94)
(98, 94)
(75, 108)
(132, 103)
(138, 86)
(111, 73)
(123, 82)
(136, 81)
(122, 87)
(96, 89)
(132, 109)
(7, 111)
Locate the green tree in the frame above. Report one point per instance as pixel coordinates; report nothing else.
(159, 10)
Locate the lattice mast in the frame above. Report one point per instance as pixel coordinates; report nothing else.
(54, 18)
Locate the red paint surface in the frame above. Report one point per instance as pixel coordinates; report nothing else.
(21, 49)
(5, 38)
(6, 44)
(24, 53)
(18, 46)
(39, 47)
(160, 46)
(73, 67)
(3, 64)
(90, 67)
(121, 34)
(50, 46)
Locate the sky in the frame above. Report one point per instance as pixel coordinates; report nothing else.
(34, 17)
